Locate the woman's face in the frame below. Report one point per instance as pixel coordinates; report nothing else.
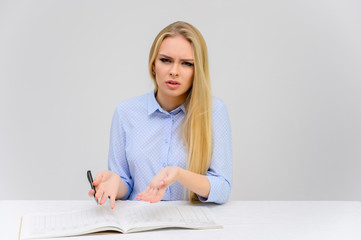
(174, 68)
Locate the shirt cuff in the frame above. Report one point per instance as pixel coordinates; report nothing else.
(219, 190)
(129, 190)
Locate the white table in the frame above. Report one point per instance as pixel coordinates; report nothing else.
(288, 220)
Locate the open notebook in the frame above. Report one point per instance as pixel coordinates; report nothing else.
(126, 217)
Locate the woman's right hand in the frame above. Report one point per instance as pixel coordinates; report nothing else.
(107, 184)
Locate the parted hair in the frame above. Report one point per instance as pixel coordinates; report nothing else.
(197, 125)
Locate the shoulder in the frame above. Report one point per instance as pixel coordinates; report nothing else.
(219, 110)
(135, 104)
(220, 117)
(218, 104)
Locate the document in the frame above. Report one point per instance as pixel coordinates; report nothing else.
(126, 217)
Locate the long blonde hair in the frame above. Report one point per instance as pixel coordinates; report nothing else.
(197, 123)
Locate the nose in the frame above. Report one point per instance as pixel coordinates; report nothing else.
(174, 71)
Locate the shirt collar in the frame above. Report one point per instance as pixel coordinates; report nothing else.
(153, 106)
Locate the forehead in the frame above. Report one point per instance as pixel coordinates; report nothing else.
(176, 47)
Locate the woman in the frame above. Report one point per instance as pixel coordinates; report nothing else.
(176, 138)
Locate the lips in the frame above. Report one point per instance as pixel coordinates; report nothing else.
(172, 82)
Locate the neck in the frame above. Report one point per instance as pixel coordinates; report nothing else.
(169, 103)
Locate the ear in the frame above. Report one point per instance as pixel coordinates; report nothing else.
(153, 70)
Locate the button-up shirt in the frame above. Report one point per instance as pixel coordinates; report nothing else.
(144, 138)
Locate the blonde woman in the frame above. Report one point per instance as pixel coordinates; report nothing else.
(173, 143)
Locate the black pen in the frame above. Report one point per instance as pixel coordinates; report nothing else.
(90, 178)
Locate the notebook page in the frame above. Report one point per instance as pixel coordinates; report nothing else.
(68, 223)
(167, 215)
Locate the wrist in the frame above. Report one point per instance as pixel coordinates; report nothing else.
(179, 174)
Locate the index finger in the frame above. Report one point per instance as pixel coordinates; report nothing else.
(112, 201)
(98, 179)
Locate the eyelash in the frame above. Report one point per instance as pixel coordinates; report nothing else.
(188, 64)
(165, 60)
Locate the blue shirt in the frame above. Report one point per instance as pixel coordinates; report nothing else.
(144, 139)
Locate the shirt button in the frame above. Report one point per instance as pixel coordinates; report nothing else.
(166, 141)
(164, 164)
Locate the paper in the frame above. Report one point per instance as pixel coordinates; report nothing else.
(128, 216)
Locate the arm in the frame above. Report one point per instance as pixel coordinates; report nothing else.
(215, 186)
(116, 182)
(117, 161)
(197, 183)
(219, 173)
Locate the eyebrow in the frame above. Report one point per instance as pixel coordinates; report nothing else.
(187, 60)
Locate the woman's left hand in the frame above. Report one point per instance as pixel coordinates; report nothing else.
(157, 187)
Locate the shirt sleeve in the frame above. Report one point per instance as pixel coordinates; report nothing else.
(219, 173)
(117, 161)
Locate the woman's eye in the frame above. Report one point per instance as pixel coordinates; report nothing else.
(188, 64)
(164, 60)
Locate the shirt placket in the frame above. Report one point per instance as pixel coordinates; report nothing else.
(166, 141)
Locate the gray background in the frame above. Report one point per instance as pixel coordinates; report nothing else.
(289, 72)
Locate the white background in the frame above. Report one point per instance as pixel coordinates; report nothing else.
(289, 72)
